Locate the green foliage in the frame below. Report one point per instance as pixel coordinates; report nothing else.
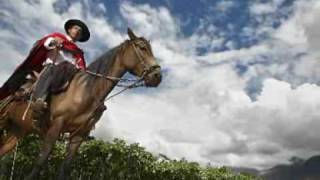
(115, 160)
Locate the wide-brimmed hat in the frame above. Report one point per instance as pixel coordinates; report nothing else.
(85, 35)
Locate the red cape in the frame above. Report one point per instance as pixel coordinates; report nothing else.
(34, 61)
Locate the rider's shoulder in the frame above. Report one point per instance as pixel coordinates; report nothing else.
(55, 35)
(58, 34)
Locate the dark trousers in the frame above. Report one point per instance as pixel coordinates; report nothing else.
(53, 78)
(44, 82)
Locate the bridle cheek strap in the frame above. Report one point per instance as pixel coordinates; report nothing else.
(146, 69)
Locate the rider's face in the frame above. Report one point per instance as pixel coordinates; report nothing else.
(75, 32)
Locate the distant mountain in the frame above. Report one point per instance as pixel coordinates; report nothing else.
(237, 170)
(302, 170)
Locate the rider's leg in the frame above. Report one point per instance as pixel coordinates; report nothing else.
(42, 86)
(44, 82)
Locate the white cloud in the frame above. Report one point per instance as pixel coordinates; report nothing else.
(224, 6)
(299, 33)
(150, 22)
(262, 8)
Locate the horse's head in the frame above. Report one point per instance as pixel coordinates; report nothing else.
(139, 60)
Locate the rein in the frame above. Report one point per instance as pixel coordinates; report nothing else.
(112, 78)
(136, 82)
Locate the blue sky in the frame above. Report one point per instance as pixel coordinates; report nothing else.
(241, 78)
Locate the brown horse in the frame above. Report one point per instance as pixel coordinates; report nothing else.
(76, 110)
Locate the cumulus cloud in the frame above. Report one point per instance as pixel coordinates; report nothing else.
(202, 111)
(224, 6)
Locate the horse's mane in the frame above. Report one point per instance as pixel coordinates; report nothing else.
(102, 64)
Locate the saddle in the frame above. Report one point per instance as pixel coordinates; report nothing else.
(63, 73)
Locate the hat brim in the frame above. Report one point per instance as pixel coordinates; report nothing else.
(85, 35)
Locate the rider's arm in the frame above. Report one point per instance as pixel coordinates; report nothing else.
(52, 44)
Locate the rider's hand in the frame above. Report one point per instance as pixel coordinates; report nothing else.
(58, 42)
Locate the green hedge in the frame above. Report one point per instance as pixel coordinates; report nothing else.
(115, 160)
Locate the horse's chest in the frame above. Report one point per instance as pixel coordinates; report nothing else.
(80, 123)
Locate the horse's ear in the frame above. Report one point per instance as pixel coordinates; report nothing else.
(131, 35)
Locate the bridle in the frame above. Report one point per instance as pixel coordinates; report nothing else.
(146, 69)
(136, 82)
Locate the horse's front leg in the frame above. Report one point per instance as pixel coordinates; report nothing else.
(72, 147)
(49, 141)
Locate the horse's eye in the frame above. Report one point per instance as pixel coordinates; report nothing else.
(143, 48)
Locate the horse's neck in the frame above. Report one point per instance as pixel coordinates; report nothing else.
(103, 86)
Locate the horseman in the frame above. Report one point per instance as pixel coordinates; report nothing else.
(55, 56)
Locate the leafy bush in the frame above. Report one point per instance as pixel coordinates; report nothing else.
(115, 160)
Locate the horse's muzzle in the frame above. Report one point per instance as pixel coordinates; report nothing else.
(153, 78)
